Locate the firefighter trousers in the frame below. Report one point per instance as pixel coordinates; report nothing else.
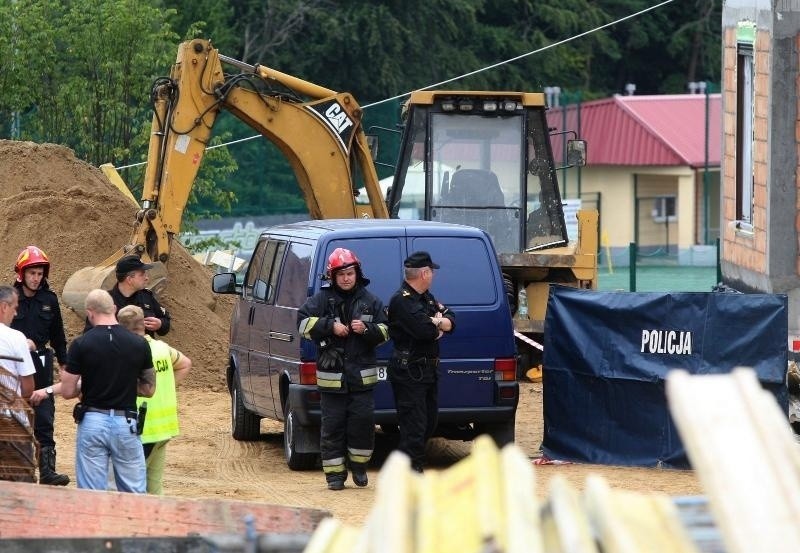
(347, 436)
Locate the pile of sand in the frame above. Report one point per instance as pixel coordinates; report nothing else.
(69, 209)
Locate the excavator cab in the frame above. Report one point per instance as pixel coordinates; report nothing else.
(483, 160)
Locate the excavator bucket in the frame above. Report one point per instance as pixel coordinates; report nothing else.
(83, 281)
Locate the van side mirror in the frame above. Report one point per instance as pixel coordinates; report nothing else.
(224, 283)
(576, 153)
(372, 144)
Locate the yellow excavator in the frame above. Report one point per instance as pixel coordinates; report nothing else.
(317, 129)
(482, 159)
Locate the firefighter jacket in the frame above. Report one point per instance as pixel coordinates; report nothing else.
(39, 319)
(315, 318)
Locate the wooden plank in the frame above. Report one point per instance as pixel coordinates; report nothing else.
(565, 521)
(522, 511)
(70, 512)
(742, 449)
(632, 522)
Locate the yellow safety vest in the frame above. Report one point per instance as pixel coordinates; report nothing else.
(161, 422)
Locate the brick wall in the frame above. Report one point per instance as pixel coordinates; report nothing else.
(746, 250)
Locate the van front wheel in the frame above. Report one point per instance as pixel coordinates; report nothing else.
(245, 426)
(295, 434)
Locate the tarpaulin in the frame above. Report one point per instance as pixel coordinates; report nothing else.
(606, 356)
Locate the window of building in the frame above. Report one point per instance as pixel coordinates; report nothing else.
(664, 209)
(744, 133)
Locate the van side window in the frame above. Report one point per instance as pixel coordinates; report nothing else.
(466, 276)
(294, 286)
(264, 287)
(254, 269)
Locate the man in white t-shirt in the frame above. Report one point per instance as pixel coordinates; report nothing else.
(17, 375)
(14, 354)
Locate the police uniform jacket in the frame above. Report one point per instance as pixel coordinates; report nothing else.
(39, 319)
(414, 335)
(145, 299)
(316, 317)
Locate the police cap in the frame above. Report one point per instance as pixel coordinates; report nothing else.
(131, 263)
(417, 260)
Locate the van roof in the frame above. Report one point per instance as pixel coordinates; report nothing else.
(316, 228)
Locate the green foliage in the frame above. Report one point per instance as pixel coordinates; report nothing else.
(79, 72)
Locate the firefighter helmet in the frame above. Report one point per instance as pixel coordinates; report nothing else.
(342, 258)
(31, 256)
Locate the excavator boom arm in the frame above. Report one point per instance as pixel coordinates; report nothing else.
(317, 129)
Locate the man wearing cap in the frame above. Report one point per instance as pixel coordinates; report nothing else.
(130, 290)
(416, 322)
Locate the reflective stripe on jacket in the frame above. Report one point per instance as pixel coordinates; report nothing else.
(315, 322)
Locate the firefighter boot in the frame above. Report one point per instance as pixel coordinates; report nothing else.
(336, 480)
(47, 468)
(359, 474)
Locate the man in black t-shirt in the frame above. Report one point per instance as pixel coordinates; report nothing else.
(108, 366)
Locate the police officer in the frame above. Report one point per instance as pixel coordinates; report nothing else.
(416, 322)
(347, 323)
(39, 319)
(130, 289)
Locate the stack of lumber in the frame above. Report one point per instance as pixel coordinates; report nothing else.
(745, 456)
(737, 438)
(487, 503)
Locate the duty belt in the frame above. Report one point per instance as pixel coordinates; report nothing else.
(113, 412)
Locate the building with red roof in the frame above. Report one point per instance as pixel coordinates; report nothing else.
(652, 171)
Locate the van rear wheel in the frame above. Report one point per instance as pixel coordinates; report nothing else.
(295, 433)
(501, 432)
(245, 426)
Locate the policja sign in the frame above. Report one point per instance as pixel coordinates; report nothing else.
(607, 354)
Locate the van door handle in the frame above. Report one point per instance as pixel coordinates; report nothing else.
(252, 315)
(282, 336)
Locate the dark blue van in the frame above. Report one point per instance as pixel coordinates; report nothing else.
(272, 372)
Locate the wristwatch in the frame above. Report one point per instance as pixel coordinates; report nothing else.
(49, 390)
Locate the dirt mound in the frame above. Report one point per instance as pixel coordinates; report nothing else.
(69, 208)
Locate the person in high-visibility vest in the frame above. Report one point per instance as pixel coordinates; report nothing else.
(161, 420)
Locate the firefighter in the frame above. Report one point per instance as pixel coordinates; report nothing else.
(416, 322)
(39, 319)
(347, 323)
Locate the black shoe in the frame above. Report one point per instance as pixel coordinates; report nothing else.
(47, 468)
(336, 485)
(53, 479)
(360, 478)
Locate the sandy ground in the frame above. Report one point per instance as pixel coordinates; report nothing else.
(70, 210)
(205, 461)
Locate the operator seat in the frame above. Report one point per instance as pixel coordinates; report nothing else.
(475, 188)
(479, 193)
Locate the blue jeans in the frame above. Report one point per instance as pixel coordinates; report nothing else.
(102, 437)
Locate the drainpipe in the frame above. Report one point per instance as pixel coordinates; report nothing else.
(578, 115)
(706, 208)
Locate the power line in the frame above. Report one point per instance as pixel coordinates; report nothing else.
(471, 73)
